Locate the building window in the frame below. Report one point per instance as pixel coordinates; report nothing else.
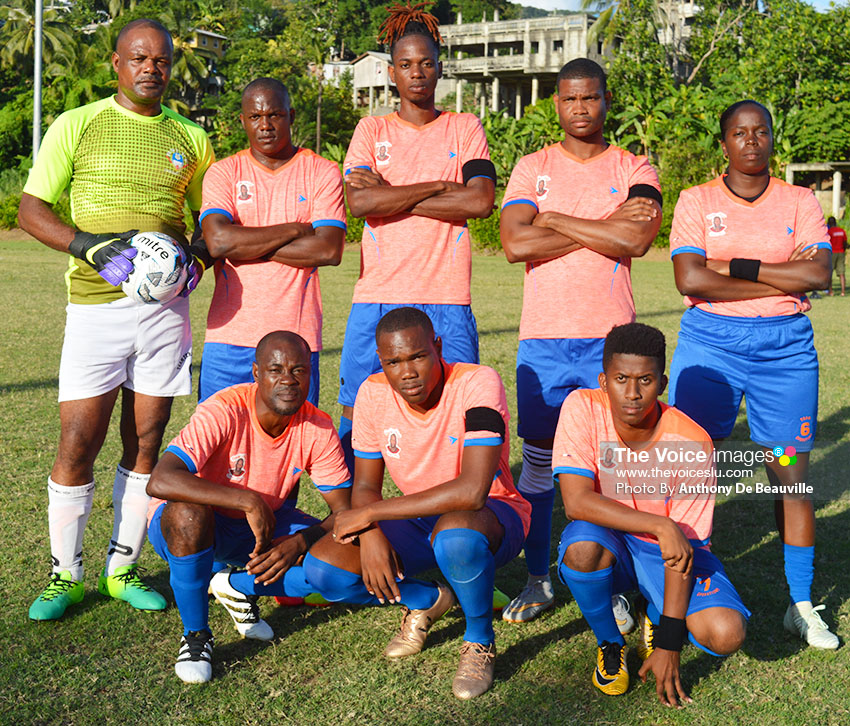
(203, 40)
(535, 46)
(557, 45)
(215, 44)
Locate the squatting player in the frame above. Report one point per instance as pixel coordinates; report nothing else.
(625, 536)
(745, 248)
(230, 479)
(272, 214)
(575, 213)
(441, 430)
(131, 164)
(416, 176)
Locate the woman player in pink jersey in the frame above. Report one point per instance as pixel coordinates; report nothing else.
(746, 247)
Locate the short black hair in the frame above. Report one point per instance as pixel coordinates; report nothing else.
(143, 23)
(582, 68)
(726, 116)
(830, 222)
(402, 319)
(267, 84)
(635, 339)
(278, 337)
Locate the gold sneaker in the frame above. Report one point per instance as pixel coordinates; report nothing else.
(474, 670)
(415, 625)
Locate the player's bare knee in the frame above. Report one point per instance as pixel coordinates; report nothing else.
(587, 557)
(187, 528)
(345, 557)
(722, 631)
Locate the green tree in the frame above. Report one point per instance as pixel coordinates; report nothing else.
(17, 34)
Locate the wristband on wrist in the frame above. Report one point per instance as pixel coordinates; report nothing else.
(669, 633)
(744, 269)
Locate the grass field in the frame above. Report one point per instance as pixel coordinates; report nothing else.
(105, 663)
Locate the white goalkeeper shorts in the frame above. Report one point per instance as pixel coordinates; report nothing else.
(146, 348)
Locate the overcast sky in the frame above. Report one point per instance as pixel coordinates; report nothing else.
(574, 4)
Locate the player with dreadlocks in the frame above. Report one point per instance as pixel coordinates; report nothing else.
(416, 175)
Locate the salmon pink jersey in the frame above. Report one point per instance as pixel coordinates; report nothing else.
(422, 450)
(587, 444)
(255, 297)
(581, 294)
(712, 222)
(225, 444)
(408, 258)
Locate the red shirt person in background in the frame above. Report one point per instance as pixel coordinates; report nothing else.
(838, 240)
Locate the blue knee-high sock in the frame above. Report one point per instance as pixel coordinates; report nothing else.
(338, 585)
(799, 571)
(539, 537)
(345, 440)
(592, 593)
(190, 579)
(292, 584)
(464, 557)
(652, 613)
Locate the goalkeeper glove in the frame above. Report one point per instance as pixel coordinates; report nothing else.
(197, 264)
(111, 255)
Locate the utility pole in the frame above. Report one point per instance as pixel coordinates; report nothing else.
(36, 97)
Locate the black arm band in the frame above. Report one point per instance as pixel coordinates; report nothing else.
(485, 419)
(744, 269)
(669, 633)
(647, 191)
(312, 534)
(478, 167)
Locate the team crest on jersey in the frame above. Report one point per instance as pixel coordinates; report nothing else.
(382, 152)
(716, 224)
(543, 187)
(244, 192)
(177, 159)
(236, 472)
(393, 439)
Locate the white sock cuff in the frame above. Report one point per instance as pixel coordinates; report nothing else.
(60, 490)
(536, 456)
(536, 474)
(131, 477)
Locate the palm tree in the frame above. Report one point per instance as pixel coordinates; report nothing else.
(83, 73)
(17, 34)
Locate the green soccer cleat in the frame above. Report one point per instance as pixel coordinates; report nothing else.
(125, 585)
(500, 600)
(56, 597)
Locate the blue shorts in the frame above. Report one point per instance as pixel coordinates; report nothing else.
(640, 567)
(547, 371)
(224, 365)
(772, 361)
(411, 538)
(234, 540)
(454, 324)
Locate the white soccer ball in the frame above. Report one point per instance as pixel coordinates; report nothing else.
(159, 269)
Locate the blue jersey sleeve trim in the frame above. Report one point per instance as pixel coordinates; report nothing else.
(326, 488)
(480, 176)
(489, 441)
(359, 166)
(368, 454)
(573, 470)
(691, 250)
(184, 457)
(215, 210)
(520, 201)
(819, 245)
(329, 223)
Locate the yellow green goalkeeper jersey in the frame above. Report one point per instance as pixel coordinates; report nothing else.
(126, 171)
